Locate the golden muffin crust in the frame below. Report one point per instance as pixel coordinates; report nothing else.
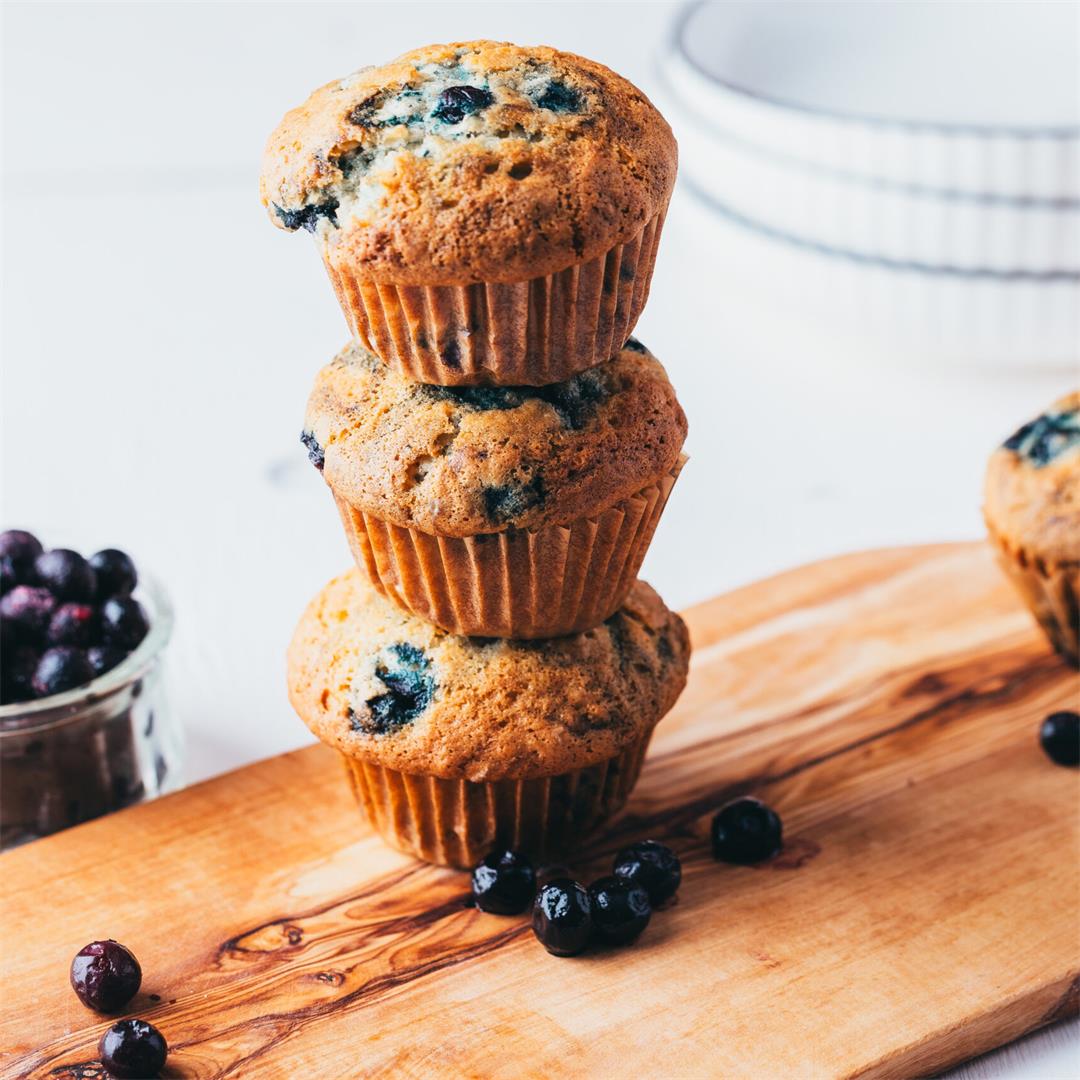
(385, 686)
(472, 162)
(1032, 494)
(461, 461)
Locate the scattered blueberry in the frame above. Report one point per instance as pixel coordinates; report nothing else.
(66, 574)
(409, 690)
(123, 622)
(307, 217)
(133, 1050)
(61, 668)
(457, 102)
(17, 674)
(559, 98)
(562, 917)
(72, 624)
(653, 866)
(620, 909)
(116, 574)
(105, 975)
(29, 609)
(314, 450)
(1060, 738)
(746, 831)
(104, 658)
(504, 883)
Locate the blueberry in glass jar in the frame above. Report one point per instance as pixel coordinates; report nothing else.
(72, 624)
(562, 917)
(18, 550)
(116, 573)
(746, 831)
(123, 622)
(133, 1050)
(61, 668)
(620, 909)
(653, 866)
(1059, 736)
(105, 975)
(29, 610)
(504, 883)
(66, 574)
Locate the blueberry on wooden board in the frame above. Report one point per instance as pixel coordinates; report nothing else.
(133, 1050)
(308, 217)
(116, 573)
(746, 831)
(314, 450)
(653, 866)
(66, 574)
(1059, 735)
(105, 975)
(620, 909)
(409, 690)
(562, 917)
(457, 102)
(504, 883)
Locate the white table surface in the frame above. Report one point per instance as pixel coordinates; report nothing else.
(160, 338)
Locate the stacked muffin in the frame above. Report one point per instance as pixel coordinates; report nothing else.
(499, 448)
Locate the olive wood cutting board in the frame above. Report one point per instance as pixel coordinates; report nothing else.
(924, 908)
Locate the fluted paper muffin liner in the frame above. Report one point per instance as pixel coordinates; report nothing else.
(1052, 592)
(527, 333)
(545, 582)
(457, 822)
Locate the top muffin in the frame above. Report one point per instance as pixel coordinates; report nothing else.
(1032, 495)
(472, 162)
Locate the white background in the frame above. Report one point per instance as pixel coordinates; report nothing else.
(160, 338)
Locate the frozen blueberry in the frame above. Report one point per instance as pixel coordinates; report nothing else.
(104, 658)
(559, 98)
(405, 672)
(133, 1050)
(314, 450)
(307, 217)
(61, 668)
(653, 866)
(116, 574)
(17, 674)
(29, 609)
(562, 917)
(746, 831)
(620, 909)
(123, 622)
(66, 574)
(72, 624)
(457, 102)
(1060, 738)
(504, 883)
(20, 544)
(105, 975)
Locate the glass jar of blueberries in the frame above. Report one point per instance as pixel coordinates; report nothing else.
(84, 724)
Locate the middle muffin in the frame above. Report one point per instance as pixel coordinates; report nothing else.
(499, 511)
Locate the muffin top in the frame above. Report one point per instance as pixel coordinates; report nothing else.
(385, 686)
(459, 461)
(477, 161)
(1032, 497)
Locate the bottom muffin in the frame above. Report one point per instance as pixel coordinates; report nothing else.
(455, 745)
(1032, 512)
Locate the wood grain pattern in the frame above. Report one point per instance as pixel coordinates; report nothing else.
(923, 910)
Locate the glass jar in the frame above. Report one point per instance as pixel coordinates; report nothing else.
(75, 756)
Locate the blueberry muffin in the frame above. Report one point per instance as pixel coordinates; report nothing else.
(488, 214)
(499, 511)
(455, 744)
(1032, 510)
